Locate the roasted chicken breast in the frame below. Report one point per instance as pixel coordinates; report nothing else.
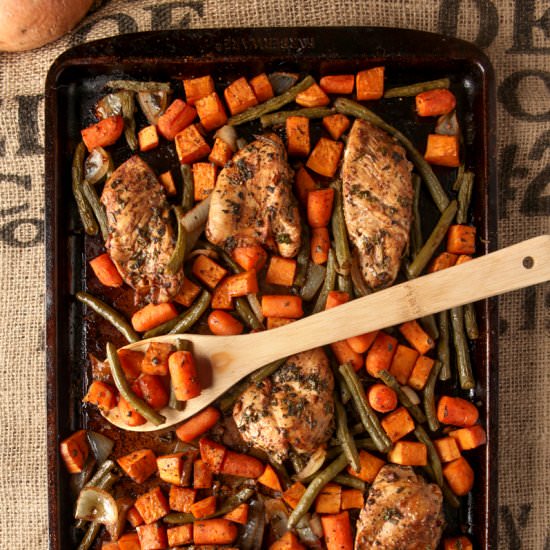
(378, 196)
(402, 512)
(141, 238)
(292, 409)
(253, 201)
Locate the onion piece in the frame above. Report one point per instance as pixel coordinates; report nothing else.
(203, 252)
(314, 279)
(101, 446)
(97, 505)
(228, 134)
(98, 165)
(411, 394)
(306, 533)
(109, 105)
(116, 529)
(447, 125)
(314, 464)
(78, 481)
(255, 306)
(241, 142)
(277, 516)
(281, 82)
(153, 105)
(253, 533)
(197, 216)
(316, 525)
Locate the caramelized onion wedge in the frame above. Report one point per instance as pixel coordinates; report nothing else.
(98, 165)
(117, 528)
(153, 104)
(314, 464)
(97, 505)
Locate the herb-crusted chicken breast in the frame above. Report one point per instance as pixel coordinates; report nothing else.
(141, 238)
(290, 410)
(253, 201)
(378, 195)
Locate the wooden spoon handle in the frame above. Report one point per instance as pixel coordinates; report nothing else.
(511, 268)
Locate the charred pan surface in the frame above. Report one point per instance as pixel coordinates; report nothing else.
(378, 197)
(141, 238)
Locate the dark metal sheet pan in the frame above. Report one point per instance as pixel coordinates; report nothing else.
(76, 80)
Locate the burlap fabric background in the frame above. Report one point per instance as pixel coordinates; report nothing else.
(515, 35)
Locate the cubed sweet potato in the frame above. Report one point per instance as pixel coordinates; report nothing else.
(297, 136)
(204, 179)
(102, 395)
(239, 514)
(293, 494)
(409, 453)
(190, 145)
(336, 125)
(152, 505)
(312, 97)
(204, 507)
(262, 87)
(370, 84)
(461, 239)
(74, 451)
(459, 476)
(221, 153)
(202, 475)
(156, 358)
(197, 88)
(152, 536)
(370, 466)
(447, 449)
(470, 437)
(281, 271)
(139, 465)
(188, 292)
(352, 498)
(167, 181)
(420, 372)
(176, 118)
(403, 363)
(329, 499)
(443, 150)
(181, 498)
(182, 534)
(170, 467)
(398, 424)
(211, 111)
(239, 96)
(325, 157)
(303, 183)
(148, 138)
(208, 271)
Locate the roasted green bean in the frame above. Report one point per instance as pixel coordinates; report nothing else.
(470, 322)
(433, 457)
(443, 351)
(179, 518)
(459, 176)
(178, 255)
(84, 208)
(280, 116)
(109, 314)
(350, 481)
(430, 326)
(429, 397)
(415, 89)
(126, 391)
(232, 502)
(434, 240)
(271, 104)
(349, 107)
(463, 365)
(340, 233)
(128, 109)
(302, 260)
(328, 285)
(193, 314)
(99, 210)
(137, 86)
(366, 443)
(187, 192)
(344, 436)
(464, 198)
(390, 381)
(316, 275)
(90, 536)
(247, 315)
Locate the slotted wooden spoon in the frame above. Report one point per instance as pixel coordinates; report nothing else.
(224, 360)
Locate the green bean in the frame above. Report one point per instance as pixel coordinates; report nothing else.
(272, 104)
(470, 322)
(430, 326)
(98, 209)
(433, 457)
(126, 391)
(90, 536)
(105, 482)
(193, 314)
(109, 314)
(443, 351)
(366, 443)
(391, 382)
(367, 415)
(434, 240)
(429, 397)
(328, 285)
(345, 438)
(257, 376)
(345, 394)
(128, 109)
(179, 518)
(187, 193)
(247, 315)
(137, 86)
(232, 502)
(316, 275)
(350, 481)
(349, 107)
(167, 326)
(416, 231)
(178, 255)
(302, 260)
(84, 208)
(102, 471)
(280, 116)
(339, 230)
(459, 176)
(232, 264)
(314, 488)
(464, 198)
(449, 496)
(463, 366)
(344, 284)
(415, 89)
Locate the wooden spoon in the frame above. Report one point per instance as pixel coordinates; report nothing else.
(224, 360)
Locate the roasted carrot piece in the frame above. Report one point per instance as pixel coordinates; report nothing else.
(181, 498)
(153, 315)
(325, 157)
(276, 322)
(319, 207)
(134, 517)
(398, 424)
(336, 298)
(442, 150)
(338, 83)
(152, 536)
(241, 284)
(130, 361)
(198, 424)
(286, 306)
(270, 479)
(221, 153)
(447, 449)
(382, 398)
(101, 395)
(208, 271)
(420, 372)
(170, 468)
(443, 261)
(459, 476)
(417, 337)
(312, 97)
(214, 531)
(320, 245)
(204, 179)
(250, 257)
(297, 136)
(457, 543)
(337, 530)
(370, 466)
(177, 117)
(139, 465)
(303, 183)
(103, 133)
(222, 323)
(344, 354)
(212, 453)
(197, 88)
(293, 494)
(352, 498)
(110, 546)
(329, 499)
(182, 534)
(238, 514)
(409, 453)
(188, 292)
(336, 125)
(380, 354)
(152, 505)
(456, 411)
(190, 145)
(128, 414)
(106, 271)
(361, 343)
(239, 96)
(156, 358)
(183, 373)
(435, 102)
(238, 464)
(462, 259)
(262, 87)
(403, 363)
(148, 138)
(167, 181)
(461, 239)
(154, 390)
(129, 541)
(289, 541)
(204, 507)
(370, 84)
(74, 451)
(470, 437)
(203, 476)
(211, 112)
(281, 271)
